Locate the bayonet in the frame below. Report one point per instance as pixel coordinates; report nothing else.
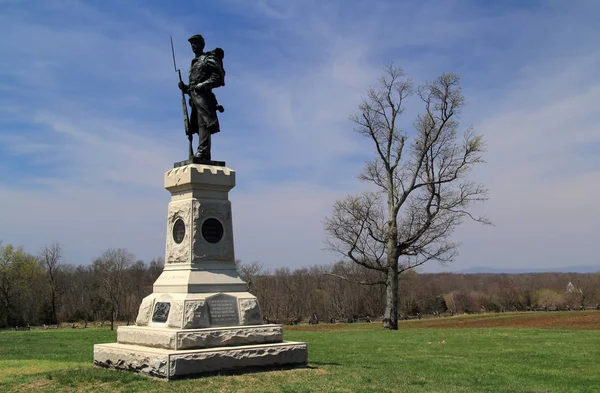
(186, 118)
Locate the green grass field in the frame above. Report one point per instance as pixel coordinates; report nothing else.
(342, 358)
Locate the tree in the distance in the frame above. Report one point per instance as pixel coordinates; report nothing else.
(110, 270)
(421, 191)
(21, 278)
(51, 256)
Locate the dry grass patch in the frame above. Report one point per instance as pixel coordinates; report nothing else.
(563, 320)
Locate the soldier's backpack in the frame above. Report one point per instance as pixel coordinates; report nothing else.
(219, 55)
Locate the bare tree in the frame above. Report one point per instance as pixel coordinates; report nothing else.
(155, 268)
(584, 288)
(249, 272)
(51, 256)
(421, 191)
(111, 271)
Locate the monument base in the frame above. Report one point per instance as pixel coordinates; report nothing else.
(197, 160)
(200, 317)
(170, 364)
(180, 339)
(199, 310)
(172, 353)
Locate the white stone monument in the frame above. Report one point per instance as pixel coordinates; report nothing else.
(200, 317)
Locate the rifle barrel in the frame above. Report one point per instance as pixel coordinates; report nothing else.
(186, 120)
(173, 53)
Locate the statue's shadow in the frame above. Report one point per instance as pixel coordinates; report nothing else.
(257, 370)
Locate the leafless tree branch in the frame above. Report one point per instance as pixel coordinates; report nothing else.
(424, 182)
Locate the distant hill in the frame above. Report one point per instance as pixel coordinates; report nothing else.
(566, 269)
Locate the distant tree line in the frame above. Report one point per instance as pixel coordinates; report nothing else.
(288, 296)
(42, 289)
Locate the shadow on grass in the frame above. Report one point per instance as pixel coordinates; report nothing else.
(242, 371)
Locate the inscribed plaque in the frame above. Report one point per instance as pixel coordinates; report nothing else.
(223, 310)
(161, 312)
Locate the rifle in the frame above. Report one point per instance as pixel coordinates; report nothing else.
(186, 118)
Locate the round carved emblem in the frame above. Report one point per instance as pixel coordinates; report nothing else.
(178, 231)
(212, 230)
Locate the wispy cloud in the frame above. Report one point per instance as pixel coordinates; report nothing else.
(90, 118)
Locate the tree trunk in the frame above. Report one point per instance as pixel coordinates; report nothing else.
(112, 318)
(54, 319)
(390, 317)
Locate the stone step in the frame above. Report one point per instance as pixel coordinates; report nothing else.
(170, 364)
(179, 339)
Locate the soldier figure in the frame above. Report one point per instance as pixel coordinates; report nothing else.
(206, 73)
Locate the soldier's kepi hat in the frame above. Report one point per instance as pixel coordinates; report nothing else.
(196, 37)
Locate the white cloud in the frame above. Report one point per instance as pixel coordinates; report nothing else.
(543, 184)
(282, 225)
(292, 82)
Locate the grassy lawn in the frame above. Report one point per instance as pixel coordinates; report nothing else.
(342, 358)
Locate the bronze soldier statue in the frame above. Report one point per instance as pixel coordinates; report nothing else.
(206, 73)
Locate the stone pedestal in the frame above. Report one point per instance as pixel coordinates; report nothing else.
(200, 317)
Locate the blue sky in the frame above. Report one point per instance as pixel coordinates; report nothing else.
(90, 119)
